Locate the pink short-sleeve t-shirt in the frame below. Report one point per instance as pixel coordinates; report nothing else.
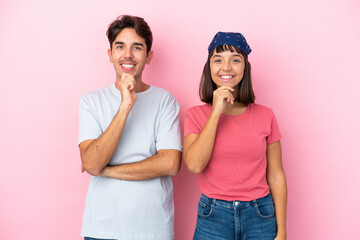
(237, 167)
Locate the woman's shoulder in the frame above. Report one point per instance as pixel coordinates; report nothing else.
(201, 107)
(202, 110)
(261, 108)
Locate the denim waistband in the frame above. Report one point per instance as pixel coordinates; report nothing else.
(235, 203)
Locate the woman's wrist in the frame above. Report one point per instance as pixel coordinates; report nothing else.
(281, 233)
(215, 114)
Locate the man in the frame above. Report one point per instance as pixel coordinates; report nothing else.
(129, 140)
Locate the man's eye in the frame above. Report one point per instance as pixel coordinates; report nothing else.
(119, 47)
(137, 48)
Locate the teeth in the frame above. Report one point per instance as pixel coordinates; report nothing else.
(226, 77)
(128, 65)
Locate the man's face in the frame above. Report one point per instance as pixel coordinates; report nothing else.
(128, 54)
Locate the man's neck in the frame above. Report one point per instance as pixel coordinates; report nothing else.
(141, 87)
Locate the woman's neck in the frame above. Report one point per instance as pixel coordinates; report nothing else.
(234, 109)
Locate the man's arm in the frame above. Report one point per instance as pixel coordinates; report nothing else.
(97, 153)
(166, 162)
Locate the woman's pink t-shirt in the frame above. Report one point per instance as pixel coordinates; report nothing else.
(237, 167)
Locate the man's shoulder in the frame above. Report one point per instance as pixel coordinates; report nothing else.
(97, 93)
(161, 93)
(159, 90)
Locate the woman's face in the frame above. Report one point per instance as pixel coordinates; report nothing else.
(227, 68)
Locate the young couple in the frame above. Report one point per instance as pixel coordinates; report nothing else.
(129, 140)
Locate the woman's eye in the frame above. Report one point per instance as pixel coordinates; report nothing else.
(217, 60)
(236, 60)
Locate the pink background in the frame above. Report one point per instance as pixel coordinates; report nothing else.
(305, 65)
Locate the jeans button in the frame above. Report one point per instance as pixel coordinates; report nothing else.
(236, 203)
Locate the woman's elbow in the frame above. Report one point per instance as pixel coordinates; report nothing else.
(277, 179)
(193, 167)
(195, 170)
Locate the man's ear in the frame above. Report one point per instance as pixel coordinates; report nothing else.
(110, 55)
(149, 56)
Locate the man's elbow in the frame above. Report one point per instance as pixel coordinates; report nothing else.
(92, 170)
(174, 170)
(175, 165)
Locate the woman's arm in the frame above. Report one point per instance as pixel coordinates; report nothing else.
(198, 147)
(277, 182)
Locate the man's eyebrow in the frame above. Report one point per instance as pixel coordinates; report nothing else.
(135, 43)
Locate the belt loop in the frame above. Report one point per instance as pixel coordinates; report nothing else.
(255, 202)
(213, 201)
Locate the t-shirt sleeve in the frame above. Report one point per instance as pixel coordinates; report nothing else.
(89, 127)
(190, 123)
(169, 135)
(275, 134)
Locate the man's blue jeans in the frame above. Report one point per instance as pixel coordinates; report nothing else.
(238, 220)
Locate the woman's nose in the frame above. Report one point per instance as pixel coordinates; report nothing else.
(226, 66)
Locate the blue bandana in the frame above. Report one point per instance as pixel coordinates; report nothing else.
(230, 38)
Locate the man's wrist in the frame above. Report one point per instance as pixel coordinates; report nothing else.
(125, 108)
(109, 171)
(104, 172)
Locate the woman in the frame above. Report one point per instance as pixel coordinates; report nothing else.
(234, 144)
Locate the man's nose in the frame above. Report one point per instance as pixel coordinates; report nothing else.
(128, 53)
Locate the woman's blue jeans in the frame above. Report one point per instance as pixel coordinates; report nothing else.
(238, 220)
